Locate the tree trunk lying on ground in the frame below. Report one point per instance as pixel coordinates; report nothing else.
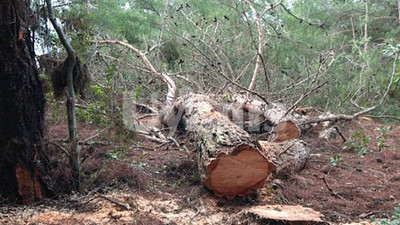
(255, 115)
(230, 162)
(288, 157)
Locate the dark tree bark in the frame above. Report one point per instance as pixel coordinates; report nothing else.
(21, 106)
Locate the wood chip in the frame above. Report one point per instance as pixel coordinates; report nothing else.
(286, 213)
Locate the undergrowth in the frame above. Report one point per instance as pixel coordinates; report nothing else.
(360, 142)
(394, 220)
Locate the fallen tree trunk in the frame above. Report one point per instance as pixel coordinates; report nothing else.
(230, 161)
(257, 116)
(288, 157)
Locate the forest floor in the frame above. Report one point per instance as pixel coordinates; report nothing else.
(145, 183)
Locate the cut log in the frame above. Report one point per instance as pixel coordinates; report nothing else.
(256, 116)
(231, 163)
(285, 130)
(288, 157)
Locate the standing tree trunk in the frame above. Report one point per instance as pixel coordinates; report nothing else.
(21, 106)
(73, 149)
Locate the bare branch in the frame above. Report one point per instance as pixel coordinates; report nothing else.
(94, 136)
(74, 149)
(302, 97)
(384, 117)
(391, 78)
(172, 89)
(259, 48)
(336, 117)
(398, 9)
(300, 19)
(126, 207)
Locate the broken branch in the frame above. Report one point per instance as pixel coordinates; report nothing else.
(335, 117)
(172, 89)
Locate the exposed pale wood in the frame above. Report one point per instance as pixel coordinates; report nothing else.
(28, 185)
(286, 213)
(238, 171)
(230, 161)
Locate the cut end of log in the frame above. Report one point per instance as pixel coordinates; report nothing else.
(285, 131)
(238, 174)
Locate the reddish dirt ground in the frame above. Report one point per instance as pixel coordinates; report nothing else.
(141, 182)
(363, 187)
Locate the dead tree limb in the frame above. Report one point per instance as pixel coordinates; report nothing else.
(384, 117)
(391, 77)
(172, 90)
(256, 116)
(334, 118)
(119, 204)
(331, 190)
(259, 48)
(303, 96)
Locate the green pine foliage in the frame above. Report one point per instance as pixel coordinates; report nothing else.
(349, 47)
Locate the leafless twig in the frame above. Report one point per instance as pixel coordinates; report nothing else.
(391, 78)
(384, 117)
(340, 133)
(110, 200)
(94, 136)
(331, 190)
(335, 117)
(259, 47)
(196, 214)
(60, 147)
(302, 97)
(172, 89)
